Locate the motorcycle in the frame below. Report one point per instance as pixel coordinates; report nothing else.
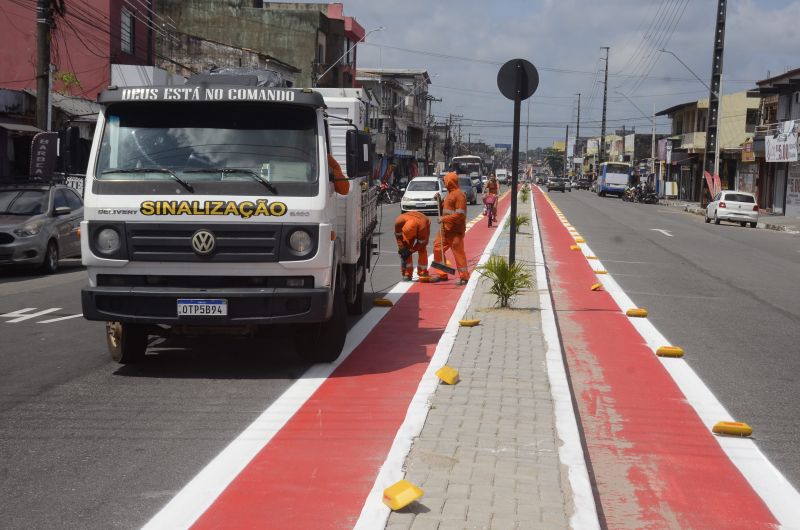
(388, 194)
(629, 195)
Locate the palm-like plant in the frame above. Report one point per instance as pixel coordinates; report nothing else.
(524, 194)
(507, 280)
(521, 220)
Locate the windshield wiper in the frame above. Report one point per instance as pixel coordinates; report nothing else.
(163, 170)
(244, 171)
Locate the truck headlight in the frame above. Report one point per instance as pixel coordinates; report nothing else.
(29, 229)
(300, 242)
(108, 241)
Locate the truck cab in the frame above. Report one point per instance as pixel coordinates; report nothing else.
(211, 207)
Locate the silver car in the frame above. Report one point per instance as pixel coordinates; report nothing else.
(39, 224)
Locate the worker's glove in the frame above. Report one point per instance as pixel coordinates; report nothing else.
(404, 254)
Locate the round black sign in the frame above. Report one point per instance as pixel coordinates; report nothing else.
(517, 78)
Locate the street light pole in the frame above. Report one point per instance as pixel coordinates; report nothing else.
(359, 41)
(653, 140)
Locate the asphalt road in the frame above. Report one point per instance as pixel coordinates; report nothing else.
(88, 443)
(730, 296)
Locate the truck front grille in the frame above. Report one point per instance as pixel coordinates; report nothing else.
(233, 243)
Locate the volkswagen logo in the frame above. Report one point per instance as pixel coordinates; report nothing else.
(203, 242)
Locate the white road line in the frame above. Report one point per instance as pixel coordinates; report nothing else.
(374, 514)
(570, 452)
(782, 499)
(60, 319)
(200, 493)
(23, 314)
(665, 232)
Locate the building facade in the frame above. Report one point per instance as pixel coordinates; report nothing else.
(313, 38)
(738, 119)
(776, 166)
(401, 123)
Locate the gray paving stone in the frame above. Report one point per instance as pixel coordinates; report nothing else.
(487, 456)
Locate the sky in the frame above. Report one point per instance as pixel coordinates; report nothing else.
(463, 44)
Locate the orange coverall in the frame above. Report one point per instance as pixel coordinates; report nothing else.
(454, 226)
(340, 182)
(412, 229)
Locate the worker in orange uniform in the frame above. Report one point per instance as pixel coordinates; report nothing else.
(340, 182)
(411, 229)
(454, 227)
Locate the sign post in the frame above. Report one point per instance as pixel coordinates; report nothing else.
(517, 81)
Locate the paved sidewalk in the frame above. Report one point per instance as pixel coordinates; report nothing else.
(487, 456)
(765, 221)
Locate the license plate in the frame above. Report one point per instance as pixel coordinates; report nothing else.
(202, 307)
(421, 205)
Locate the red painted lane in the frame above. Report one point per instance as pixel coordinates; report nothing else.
(654, 462)
(317, 471)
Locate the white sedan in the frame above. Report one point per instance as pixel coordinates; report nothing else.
(733, 206)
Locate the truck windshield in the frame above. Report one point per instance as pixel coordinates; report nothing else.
(212, 142)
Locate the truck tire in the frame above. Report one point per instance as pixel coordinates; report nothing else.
(127, 343)
(323, 342)
(356, 307)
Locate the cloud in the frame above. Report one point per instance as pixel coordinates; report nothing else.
(567, 35)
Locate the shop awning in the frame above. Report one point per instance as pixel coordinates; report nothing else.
(11, 125)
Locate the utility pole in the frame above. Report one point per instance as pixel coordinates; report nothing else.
(44, 15)
(624, 132)
(714, 96)
(578, 128)
(605, 106)
(653, 145)
(566, 151)
(527, 132)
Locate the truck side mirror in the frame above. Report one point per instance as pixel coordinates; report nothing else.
(358, 153)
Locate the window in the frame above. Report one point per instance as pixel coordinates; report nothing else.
(740, 197)
(73, 200)
(60, 200)
(127, 31)
(752, 120)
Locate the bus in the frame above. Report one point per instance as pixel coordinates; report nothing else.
(470, 166)
(613, 178)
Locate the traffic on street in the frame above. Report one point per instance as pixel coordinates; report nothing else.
(298, 265)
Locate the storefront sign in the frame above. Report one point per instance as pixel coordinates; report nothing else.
(782, 146)
(748, 155)
(44, 154)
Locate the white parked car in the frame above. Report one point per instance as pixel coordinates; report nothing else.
(734, 206)
(419, 195)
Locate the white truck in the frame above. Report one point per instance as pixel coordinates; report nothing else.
(210, 208)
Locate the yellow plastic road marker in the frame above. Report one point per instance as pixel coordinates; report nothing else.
(401, 494)
(597, 287)
(636, 312)
(732, 428)
(425, 279)
(382, 302)
(600, 272)
(469, 322)
(574, 247)
(448, 375)
(580, 240)
(591, 257)
(669, 351)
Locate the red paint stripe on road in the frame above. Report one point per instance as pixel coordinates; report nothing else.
(655, 463)
(317, 471)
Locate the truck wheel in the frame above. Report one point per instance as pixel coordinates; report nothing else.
(323, 342)
(127, 343)
(357, 306)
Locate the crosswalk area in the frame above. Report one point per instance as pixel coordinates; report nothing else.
(33, 313)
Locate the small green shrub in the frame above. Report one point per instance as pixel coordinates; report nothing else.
(521, 219)
(524, 194)
(507, 280)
